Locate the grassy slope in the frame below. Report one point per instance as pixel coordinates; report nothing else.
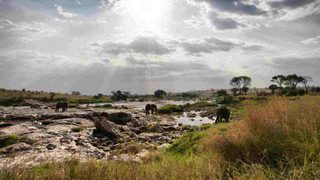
(278, 139)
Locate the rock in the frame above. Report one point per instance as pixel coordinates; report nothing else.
(107, 127)
(18, 147)
(2, 125)
(165, 145)
(205, 114)
(143, 153)
(120, 118)
(51, 146)
(47, 122)
(191, 115)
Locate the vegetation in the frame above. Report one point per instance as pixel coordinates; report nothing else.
(160, 93)
(170, 108)
(241, 84)
(119, 95)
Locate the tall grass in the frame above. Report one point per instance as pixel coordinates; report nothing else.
(275, 140)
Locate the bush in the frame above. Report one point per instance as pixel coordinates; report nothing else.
(170, 108)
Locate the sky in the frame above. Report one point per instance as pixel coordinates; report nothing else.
(96, 46)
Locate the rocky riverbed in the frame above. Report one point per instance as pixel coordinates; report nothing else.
(41, 134)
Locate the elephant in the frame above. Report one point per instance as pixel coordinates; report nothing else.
(223, 113)
(152, 108)
(62, 105)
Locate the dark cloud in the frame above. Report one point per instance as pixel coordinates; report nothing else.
(148, 45)
(252, 48)
(225, 23)
(143, 45)
(290, 3)
(207, 45)
(235, 6)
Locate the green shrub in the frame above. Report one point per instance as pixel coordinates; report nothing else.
(9, 140)
(169, 108)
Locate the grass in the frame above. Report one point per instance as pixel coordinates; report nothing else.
(12, 139)
(278, 139)
(170, 108)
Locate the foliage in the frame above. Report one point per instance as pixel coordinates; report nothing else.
(160, 93)
(273, 88)
(119, 95)
(279, 79)
(170, 108)
(222, 92)
(241, 83)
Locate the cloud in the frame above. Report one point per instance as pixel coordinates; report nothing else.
(207, 45)
(235, 6)
(224, 23)
(253, 48)
(289, 3)
(143, 45)
(25, 31)
(313, 40)
(63, 13)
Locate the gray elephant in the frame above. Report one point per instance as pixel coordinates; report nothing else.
(152, 108)
(223, 113)
(62, 105)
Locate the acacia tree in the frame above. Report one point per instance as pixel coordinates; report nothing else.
(245, 82)
(236, 84)
(273, 88)
(242, 83)
(279, 79)
(305, 81)
(293, 80)
(160, 93)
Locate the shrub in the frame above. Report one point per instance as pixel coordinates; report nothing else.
(170, 108)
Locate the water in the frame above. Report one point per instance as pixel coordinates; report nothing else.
(141, 105)
(193, 121)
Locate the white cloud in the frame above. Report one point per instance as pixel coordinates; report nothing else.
(63, 13)
(313, 40)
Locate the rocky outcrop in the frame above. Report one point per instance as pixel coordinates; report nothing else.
(104, 125)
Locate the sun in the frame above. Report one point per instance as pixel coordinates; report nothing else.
(145, 15)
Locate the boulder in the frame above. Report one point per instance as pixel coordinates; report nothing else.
(107, 127)
(14, 148)
(191, 115)
(121, 118)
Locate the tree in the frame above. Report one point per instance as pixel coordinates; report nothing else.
(273, 88)
(222, 92)
(234, 91)
(236, 84)
(119, 95)
(246, 83)
(293, 80)
(160, 93)
(305, 81)
(242, 83)
(279, 79)
(245, 90)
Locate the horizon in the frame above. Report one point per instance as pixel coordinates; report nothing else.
(144, 45)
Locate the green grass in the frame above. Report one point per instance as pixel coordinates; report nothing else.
(10, 139)
(169, 108)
